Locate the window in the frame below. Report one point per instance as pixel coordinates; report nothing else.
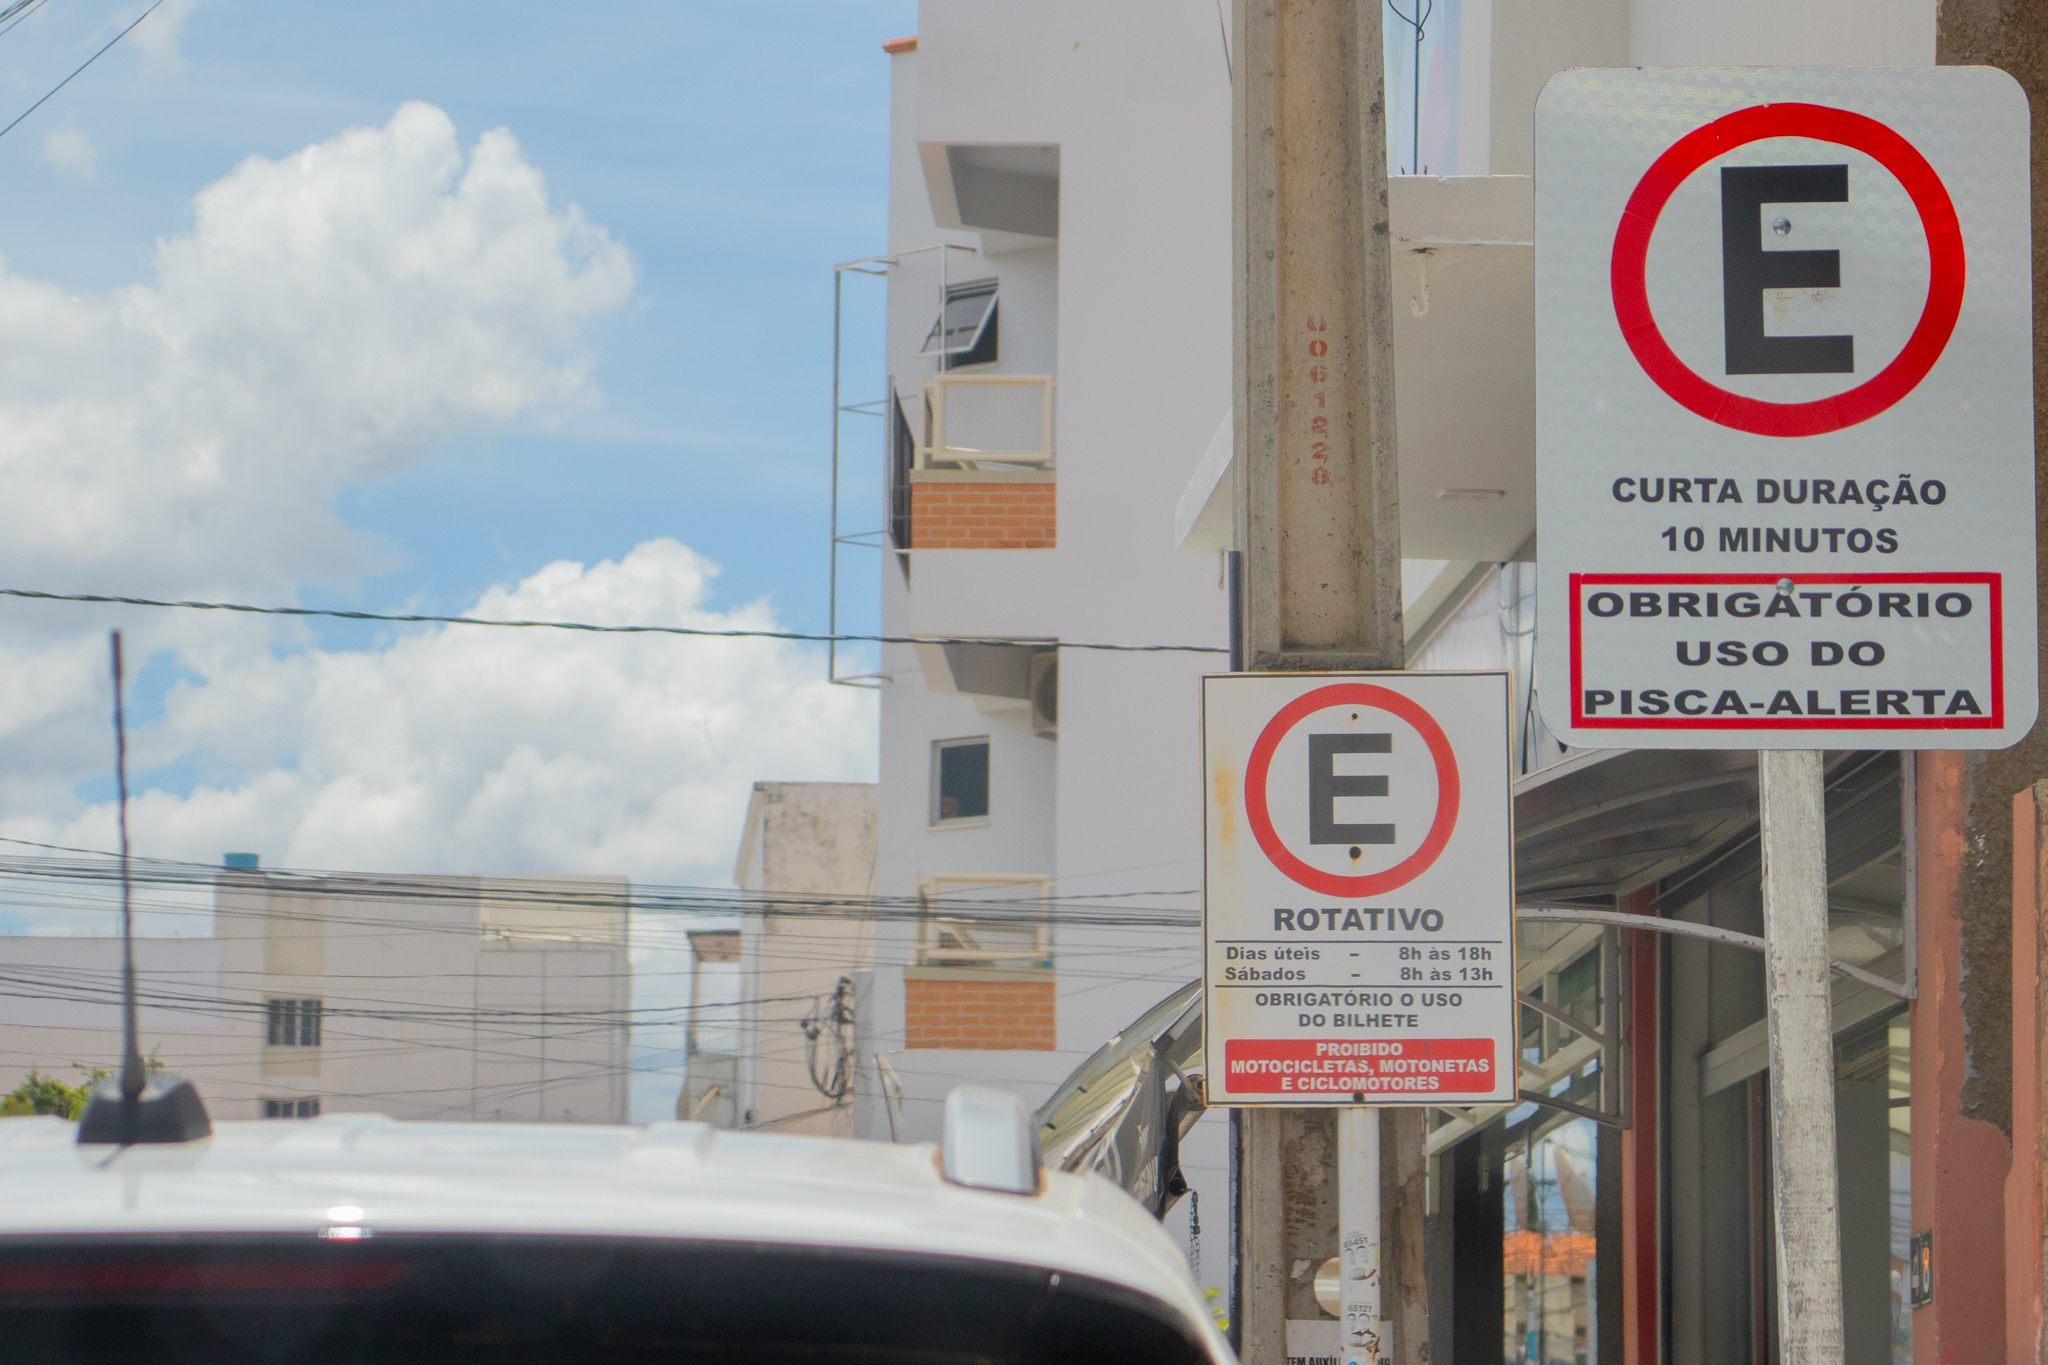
(293, 1023)
(959, 780)
(964, 333)
(474, 1296)
(291, 1109)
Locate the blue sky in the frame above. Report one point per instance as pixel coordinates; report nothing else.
(736, 150)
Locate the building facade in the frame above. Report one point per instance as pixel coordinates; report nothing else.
(418, 997)
(1058, 338)
(804, 949)
(1058, 375)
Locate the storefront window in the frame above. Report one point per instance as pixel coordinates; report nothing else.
(1549, 1271)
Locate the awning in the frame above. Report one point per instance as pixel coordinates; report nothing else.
(1600, 825)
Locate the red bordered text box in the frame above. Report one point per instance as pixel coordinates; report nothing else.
(1990, 582)
(1358, 1066)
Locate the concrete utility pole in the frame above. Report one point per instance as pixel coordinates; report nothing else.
(1319, 521)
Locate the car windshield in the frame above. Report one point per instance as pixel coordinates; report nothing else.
(527, 1299)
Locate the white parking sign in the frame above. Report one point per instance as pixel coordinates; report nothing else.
(1358, 903)
(1785, 442)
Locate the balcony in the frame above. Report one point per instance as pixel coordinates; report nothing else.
(982, 978)
(977, 473)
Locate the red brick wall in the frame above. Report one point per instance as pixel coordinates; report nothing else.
(982, 516)
(979, 1015)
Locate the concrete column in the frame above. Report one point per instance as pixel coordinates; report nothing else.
(2026, 1182)
(1319, 497)
(1966, 1129)
(1319, 520)
(1959, 1160)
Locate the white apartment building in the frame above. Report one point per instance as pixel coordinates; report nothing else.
(418, 997)
(1058, 343)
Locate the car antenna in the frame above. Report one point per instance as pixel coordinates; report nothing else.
(135, 1109)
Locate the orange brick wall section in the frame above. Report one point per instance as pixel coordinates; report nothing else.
(980, 1016)
(982, 516)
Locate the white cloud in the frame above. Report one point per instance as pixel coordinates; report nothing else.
(462, 749)
(71, 154)
(327, 317)
(158, 38)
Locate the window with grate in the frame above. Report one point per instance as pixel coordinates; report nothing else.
(291, 1109)
(293, 1023)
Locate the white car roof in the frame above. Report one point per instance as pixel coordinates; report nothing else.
(671, 1180)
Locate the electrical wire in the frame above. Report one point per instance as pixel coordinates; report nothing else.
(74, 75)
(834, 1018)
(420, 618)
(595, 894)
(19, 12)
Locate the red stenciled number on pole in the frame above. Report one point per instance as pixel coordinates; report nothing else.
(1318, 425)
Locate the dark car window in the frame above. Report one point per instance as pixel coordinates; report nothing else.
(404, 1298)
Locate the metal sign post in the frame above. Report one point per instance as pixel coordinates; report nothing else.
(1799, 1005)
(1361, 1332)
(1785, 476)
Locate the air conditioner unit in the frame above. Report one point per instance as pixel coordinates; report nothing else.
(1045, 694)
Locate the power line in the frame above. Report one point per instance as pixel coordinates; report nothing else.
(636, 900)
(19, 12)
(74, 75)
(415, 619)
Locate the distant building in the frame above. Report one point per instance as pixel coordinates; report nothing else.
(1058, 341)
(807, 861)
(418, 997)
(711, 1034)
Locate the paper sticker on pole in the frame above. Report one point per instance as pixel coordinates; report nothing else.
(1785, 452)
(1358, 888)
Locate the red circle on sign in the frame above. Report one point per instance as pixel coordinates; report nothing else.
(1946, 270)
(1261, 761)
